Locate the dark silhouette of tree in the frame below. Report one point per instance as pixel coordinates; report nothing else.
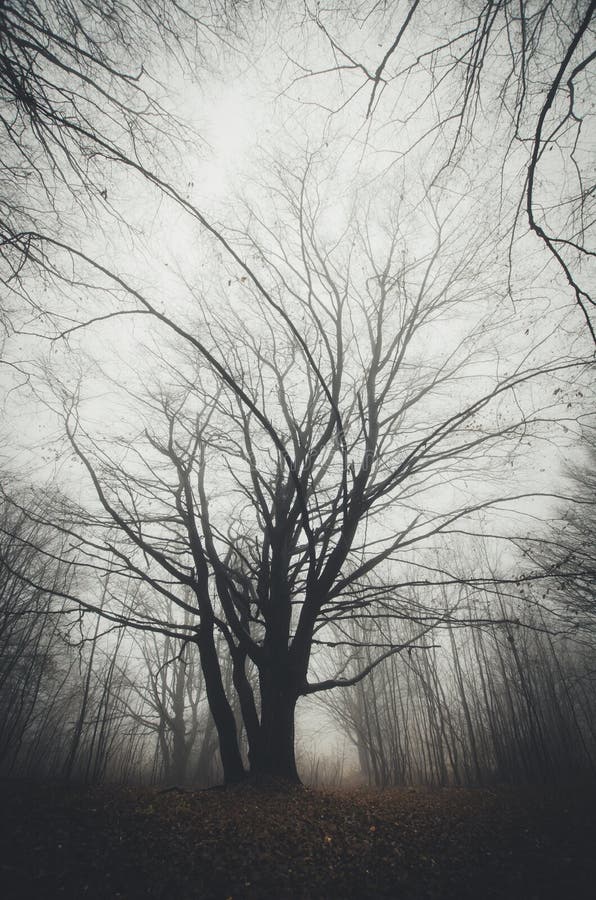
(262, 494)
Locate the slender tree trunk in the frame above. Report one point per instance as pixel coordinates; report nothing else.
(248, 708)
(221, 710)
(80, 721)
(180, 744)
(460, 683)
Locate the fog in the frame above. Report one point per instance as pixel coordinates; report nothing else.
(296, 353)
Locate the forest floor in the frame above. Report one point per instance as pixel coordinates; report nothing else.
(105, 842)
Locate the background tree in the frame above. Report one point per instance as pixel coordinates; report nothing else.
(566, 554)
(74, 700)
(174, 707)
(31, 669)
(503, 702)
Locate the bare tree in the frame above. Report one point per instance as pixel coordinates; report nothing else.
(338, 406)
(271, 487)
(503, 702)
(174, 708)
(32, 669)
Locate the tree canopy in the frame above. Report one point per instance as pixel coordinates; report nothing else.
(283, 380)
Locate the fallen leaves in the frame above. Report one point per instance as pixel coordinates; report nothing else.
(246, 844)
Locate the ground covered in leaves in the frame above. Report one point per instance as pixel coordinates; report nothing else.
(299, 843)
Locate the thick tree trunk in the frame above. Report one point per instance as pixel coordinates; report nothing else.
(275, 755)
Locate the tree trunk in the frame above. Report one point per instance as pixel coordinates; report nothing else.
(180, 743)
(180, 752)
(275, 757)
(221, 710)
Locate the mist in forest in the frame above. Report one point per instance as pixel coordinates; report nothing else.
(297, 442)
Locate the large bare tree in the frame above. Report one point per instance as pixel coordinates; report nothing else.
(342, 389)
(301, 443)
